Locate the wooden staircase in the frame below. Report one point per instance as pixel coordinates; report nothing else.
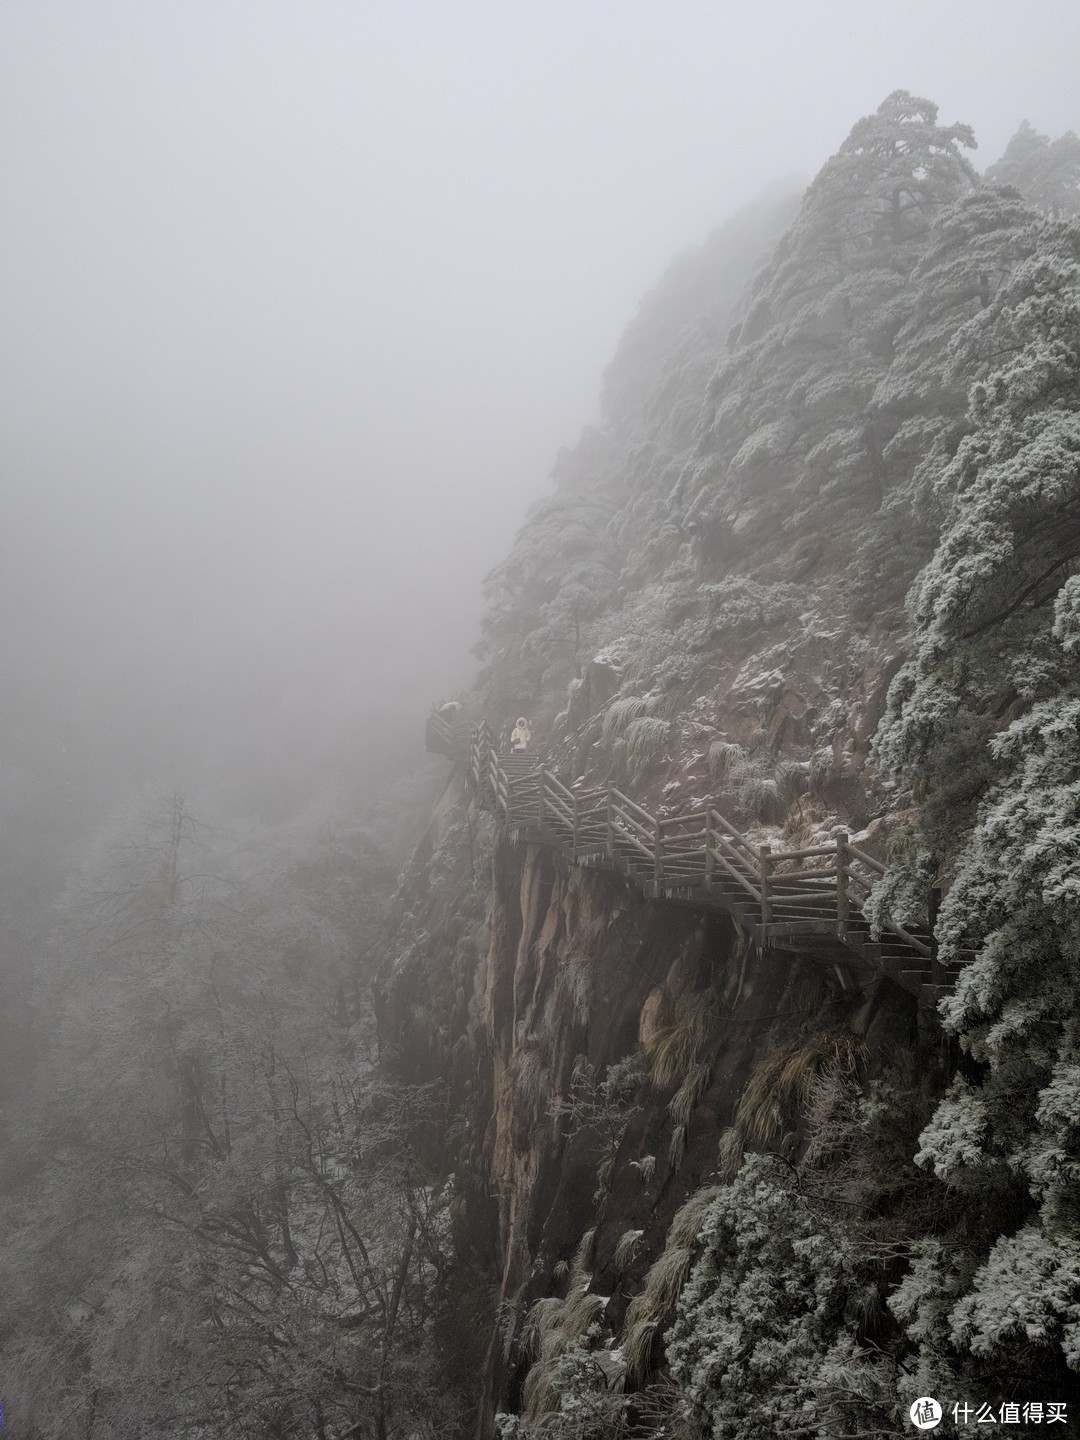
(809, 899)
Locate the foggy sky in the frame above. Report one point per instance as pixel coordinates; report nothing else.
(300, 300)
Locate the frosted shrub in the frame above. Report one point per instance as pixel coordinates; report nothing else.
(738, 606)
(1030, 1287)
(762, 1311)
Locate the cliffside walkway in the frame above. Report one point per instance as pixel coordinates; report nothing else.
(807, 899)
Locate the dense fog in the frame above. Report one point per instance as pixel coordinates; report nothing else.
(311, 317)
(300, 303)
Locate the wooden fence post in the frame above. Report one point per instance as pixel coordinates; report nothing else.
(540, 800)
(610, 821)
(574, 837)
(708, 849)
(842, 862)
(658, 859)
(766, 861)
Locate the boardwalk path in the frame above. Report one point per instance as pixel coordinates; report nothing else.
(807, 900)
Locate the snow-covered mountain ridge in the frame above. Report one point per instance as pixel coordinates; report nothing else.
(818, 562)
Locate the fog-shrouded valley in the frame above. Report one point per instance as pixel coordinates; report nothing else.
(540, 734)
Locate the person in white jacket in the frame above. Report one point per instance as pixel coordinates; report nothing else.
(520, 735)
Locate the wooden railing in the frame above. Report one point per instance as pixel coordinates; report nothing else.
(447, 734)
(812, 897)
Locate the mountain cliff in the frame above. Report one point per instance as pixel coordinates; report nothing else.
(817, 564)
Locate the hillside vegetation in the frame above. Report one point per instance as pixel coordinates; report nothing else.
(818, 560)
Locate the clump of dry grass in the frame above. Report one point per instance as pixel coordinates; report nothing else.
(643, 740)
(672, 1050)
(687, 1220)
(685, 1100)
(729, 1154)
(723, 754)
(553, 1324)
(779, 1090)
(650, 1309)
(677, 1149)
(621, 713)
(627, 1244)
(645, 1165)
(575, 986)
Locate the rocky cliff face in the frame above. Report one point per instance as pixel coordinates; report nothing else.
(695, 1182)
(552, 976)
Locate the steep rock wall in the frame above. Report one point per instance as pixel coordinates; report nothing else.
(513, 971)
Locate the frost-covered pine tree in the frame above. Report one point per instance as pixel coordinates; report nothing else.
(987, 716)
(1045, 171)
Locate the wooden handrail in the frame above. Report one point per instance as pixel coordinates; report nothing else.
(867, 859)
(625, 838)
(625, 800)
(729, 829)
(556, 784)
(686, 852)
(808, 852)
(734, 851)
(690, 817)
(764, 859)
(842, 864)
(738, 875)
(634, 823)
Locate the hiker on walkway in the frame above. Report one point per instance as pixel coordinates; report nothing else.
(520, 737)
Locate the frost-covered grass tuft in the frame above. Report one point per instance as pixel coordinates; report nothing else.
(685, 1100)
(722, 755)
(672, 1050)
(754, 788)
(579, 1270)
(651, 1307)
(663, 1282)
(677, 1149)
(644, 739)
(532, 1084)
(792, 782)
(686, 1223)
(543, 1316)
(620, 713)
(645, 1165)
(641, 1333)
(627, 1244)
(780, 1088)
(575, 984)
